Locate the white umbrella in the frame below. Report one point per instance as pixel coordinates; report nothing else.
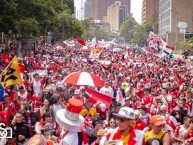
(117, 49)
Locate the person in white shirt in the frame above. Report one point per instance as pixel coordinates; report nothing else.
(36, 84)
(166, 98)
(106, 89)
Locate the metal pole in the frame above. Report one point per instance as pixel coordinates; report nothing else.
(176, 39)
(2, 37)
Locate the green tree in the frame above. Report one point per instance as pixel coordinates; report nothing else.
(7, 15)
(27, 27)
(35, 17)
(69, 4)
(69, 26)
(187, 44)
(154, 22)
(88, 28)
(141, 34)
(101, 34)
(128, 29)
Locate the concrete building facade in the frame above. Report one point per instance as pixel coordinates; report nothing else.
(116, 14)
(148, 9)
(171, 12)
(82, 9)
(79, 9)
(99, 7)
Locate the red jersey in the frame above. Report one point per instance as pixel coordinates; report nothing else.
(140, 125)
(147, 101)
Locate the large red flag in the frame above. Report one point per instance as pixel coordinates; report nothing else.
(5, 57)
(96, 96)
(21, 67)
(80, 41)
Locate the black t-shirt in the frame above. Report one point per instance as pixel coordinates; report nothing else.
(21, 129)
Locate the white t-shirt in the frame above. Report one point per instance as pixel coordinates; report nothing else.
(37, 87)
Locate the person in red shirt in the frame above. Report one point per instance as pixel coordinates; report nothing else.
(189, 101)
(22, 94)
(140, 125)
(102, 110)
(78, 95)
(4, 104)
(188, 134)
(147, 100)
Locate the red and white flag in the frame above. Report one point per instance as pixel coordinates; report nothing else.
(157, 46)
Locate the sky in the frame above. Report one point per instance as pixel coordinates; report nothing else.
(136, 9)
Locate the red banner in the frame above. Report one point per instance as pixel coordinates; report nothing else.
(97, 96)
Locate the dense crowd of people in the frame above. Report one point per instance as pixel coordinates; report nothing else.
(151, 98)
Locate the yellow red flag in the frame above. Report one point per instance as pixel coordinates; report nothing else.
(11, 74)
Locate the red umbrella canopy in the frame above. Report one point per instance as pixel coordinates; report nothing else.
(83, 78)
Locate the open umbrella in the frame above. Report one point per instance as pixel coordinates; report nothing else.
(86, 48)
(117, 49)
(83, 78)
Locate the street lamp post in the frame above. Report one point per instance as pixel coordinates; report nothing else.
(176, 38)
(160, 30)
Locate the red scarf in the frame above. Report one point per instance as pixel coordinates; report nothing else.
(117, 136)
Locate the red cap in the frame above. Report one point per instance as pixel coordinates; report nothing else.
(74, 105)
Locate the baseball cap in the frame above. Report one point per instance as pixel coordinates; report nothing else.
(6, 95)
(126, 112)
(157, 120)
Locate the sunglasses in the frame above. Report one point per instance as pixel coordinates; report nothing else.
(122, 119)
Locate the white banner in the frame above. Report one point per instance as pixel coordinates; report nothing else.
(39, 72)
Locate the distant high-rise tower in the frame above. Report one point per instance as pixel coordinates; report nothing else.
(148, 9)
(99, 7)
(79, 9)
(87, 8)
(116, 14)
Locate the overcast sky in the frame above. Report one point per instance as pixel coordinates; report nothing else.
(136, 8)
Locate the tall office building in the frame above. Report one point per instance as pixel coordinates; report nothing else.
(79, 9)
(116, 14)
(148, 9)
(87, 11)
(171, 12)
(82, 9)
(99, 7)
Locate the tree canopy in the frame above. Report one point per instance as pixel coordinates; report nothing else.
(128, 28)
(35, 17)
(141, 34)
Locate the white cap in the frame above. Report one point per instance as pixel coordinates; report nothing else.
(126, 112)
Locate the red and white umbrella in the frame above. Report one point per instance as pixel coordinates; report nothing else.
(83, 78)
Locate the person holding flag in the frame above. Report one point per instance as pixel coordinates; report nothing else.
(10, 76)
